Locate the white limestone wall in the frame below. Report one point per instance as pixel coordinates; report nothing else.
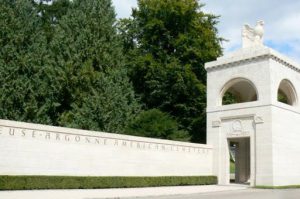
(286, 146)
(285, 128)
(32, 149)
(256, 125)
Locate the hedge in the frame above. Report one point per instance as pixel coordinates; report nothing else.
(72, 182)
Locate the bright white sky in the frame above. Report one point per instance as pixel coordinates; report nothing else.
(282, 21)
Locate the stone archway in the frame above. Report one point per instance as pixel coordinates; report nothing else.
(238, 90)
(286, 93)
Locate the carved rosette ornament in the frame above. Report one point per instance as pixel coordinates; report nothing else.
(237, 126)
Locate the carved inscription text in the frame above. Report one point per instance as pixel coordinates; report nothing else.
(15, 132)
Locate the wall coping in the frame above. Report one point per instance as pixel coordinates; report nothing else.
(251, 54)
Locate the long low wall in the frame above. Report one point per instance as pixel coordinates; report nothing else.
(33, 149)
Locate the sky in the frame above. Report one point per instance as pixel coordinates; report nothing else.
(282, 21)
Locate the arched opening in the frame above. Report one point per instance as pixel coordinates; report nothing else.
(286, 93)
(238, 90)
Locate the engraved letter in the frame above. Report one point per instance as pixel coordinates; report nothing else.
(47, 136)
(11, 131)
(77, 138)
(57, 136)
(67, 138)
(87, 140)
(33, 134)
(23, 132)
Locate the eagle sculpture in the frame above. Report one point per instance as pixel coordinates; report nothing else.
(253, 36)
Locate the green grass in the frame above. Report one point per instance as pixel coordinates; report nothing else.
(278, 187)
(70, 182)
(232, 167)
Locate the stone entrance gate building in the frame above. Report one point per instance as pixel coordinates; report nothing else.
(265, 131)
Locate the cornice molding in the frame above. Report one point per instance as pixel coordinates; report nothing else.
(251, 55)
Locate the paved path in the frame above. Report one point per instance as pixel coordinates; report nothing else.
(117, 193)
(239, 194)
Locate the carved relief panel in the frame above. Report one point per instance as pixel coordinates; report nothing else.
(241, 127)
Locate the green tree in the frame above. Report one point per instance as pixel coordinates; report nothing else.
(30, 86)
(97, 93)
(229, 98)
(168, 42)
(156, 124)
(50, 12)
(62, 64)
(281, 97)
(108, 105)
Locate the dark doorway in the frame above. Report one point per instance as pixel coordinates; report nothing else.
(239, 149)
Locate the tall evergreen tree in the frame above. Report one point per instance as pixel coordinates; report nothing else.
(98, 94)
(50, 12)
(168, 43)
(62, 64)
(29, 83)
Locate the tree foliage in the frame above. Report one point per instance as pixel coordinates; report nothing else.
(98, 94)
(50, 12)
(281, 97)
(156, 124)
(72, 75)
(30, 86)
(65, 63)
(230, 98)
(168, 43)
(109, 105)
